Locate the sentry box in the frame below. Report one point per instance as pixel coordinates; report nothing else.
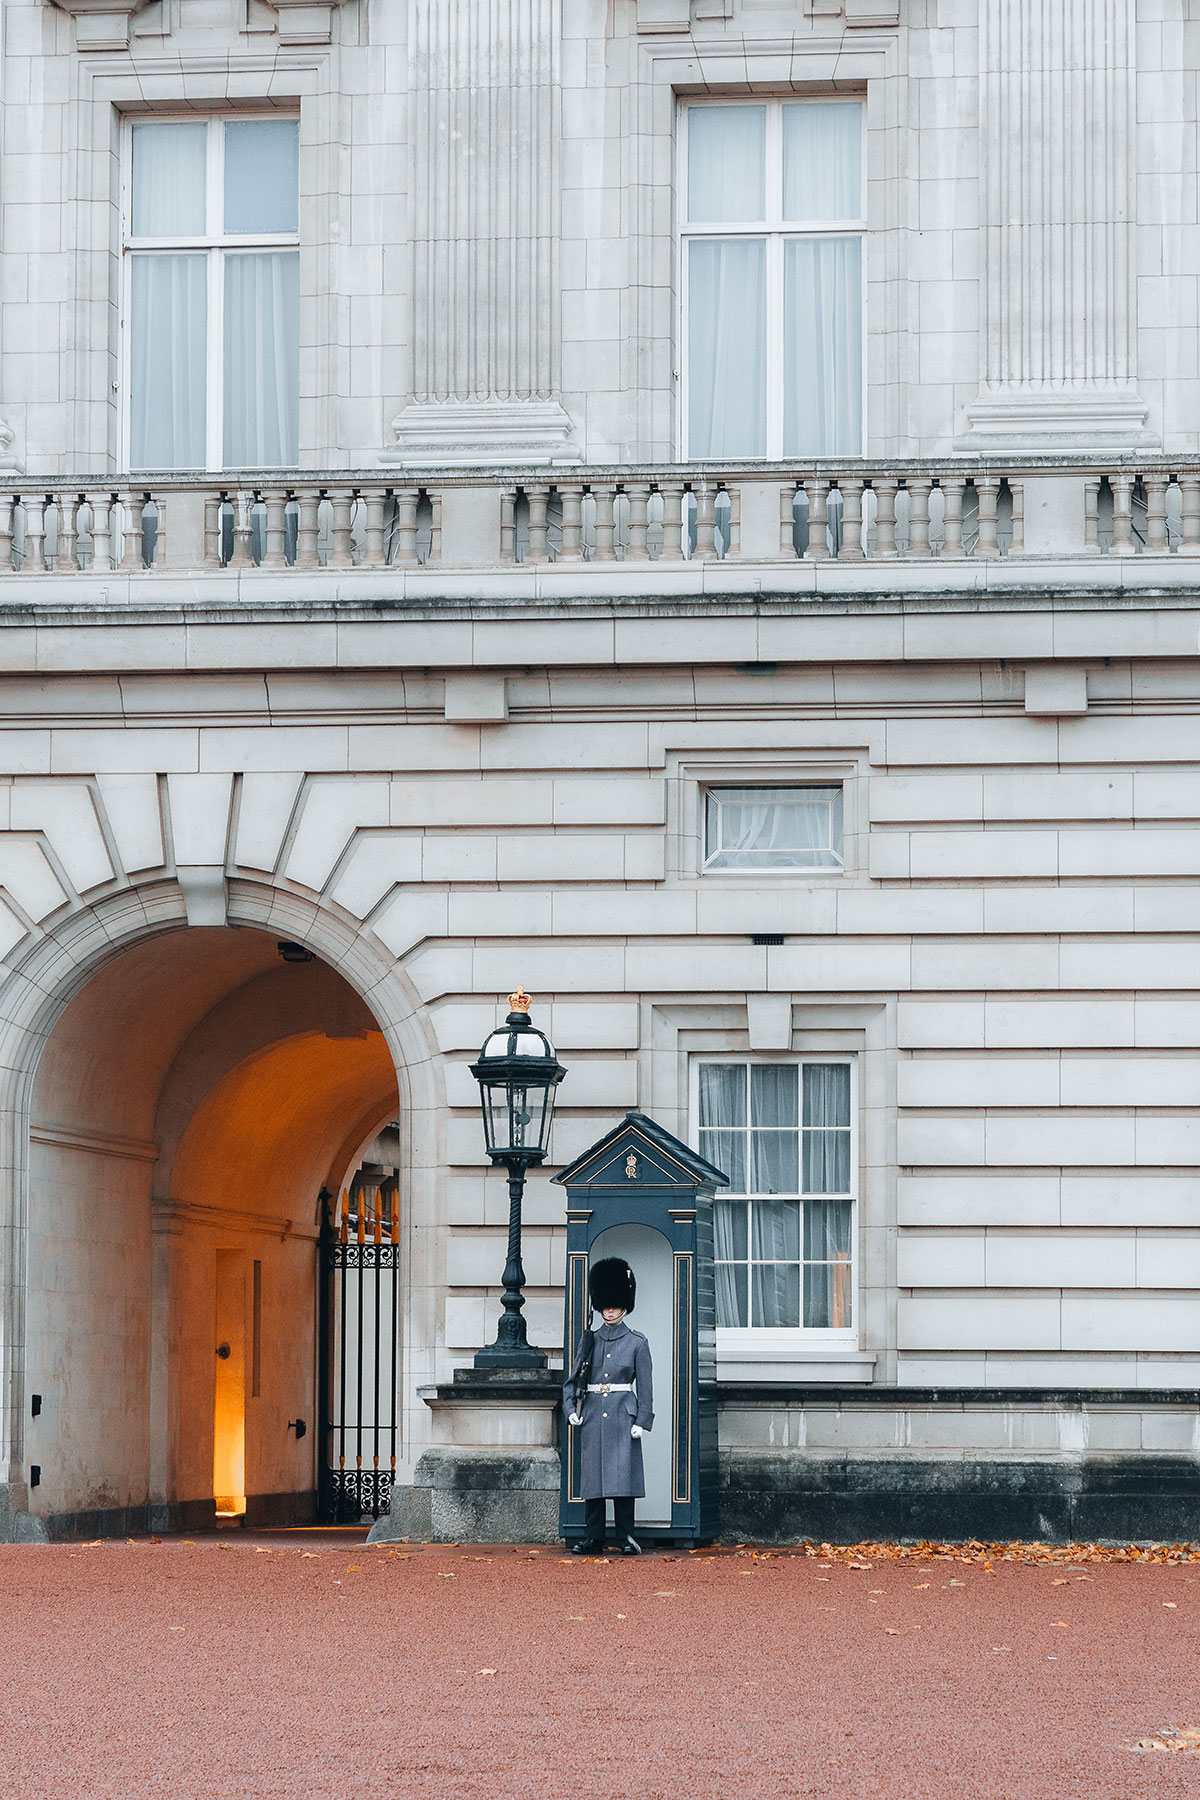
(641, 1194)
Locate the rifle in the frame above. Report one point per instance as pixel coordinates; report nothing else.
(587, 1345)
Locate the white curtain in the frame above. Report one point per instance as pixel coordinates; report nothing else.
(262, 359)
(822, 160)
(262, 163)
(822, 364)
(826, 1128)
(726, 154)
(827, 1266)
(727, 368)
(772, 828)
(168, 180)
(167, 334)
(723, 1141)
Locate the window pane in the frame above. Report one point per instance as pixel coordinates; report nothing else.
(774, 1094)
(827, 1094)
(822, 308)
(731, 1294)
(727, 1151)
(727, 347)
(167, 316)
(722, 1094)
(826, 1162)
(262, 359)
(262, 162)
(774, 1162)
(776, 828)
(729, 1230)
(775, 1290)
(168, 180)
(822, 161)
(826, 1230)
(827, 1300)
(777, 1230)
(726, 162)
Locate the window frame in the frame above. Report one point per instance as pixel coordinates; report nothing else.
(755, 870)
(767, 1340)
(214, 243)
(776, 231)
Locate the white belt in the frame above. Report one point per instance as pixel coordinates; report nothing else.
(610, 1387)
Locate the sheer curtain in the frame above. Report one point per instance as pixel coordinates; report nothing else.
(770, 828)
(168, 313)
(727, 349)
(774, 1169)
(827, 1222)
(822, 160)
(822, 308)
(262, 175)
(168, 180)
(723, 1142)
(726, 154)
(262, 359)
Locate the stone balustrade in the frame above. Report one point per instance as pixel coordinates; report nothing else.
(845, 513)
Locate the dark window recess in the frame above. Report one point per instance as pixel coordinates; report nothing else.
(35, 1405)
(766, 937)
(35, 1474)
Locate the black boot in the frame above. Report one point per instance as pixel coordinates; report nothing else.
(588, 1547)
(623, 1526)
(630, 1547)
(592, 1542)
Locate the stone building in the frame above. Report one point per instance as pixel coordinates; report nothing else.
(693, 507)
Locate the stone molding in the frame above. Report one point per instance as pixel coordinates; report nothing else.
(105, 25)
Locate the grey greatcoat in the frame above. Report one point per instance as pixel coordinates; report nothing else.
(611, 1458)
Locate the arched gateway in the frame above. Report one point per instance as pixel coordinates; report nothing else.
(173, 1099)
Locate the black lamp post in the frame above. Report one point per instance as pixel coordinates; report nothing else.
(518, 1075)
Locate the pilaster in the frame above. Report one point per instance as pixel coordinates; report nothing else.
(1056, 124)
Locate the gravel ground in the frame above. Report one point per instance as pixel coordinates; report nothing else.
(305, 1664)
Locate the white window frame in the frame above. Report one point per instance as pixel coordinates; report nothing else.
(762, 871)
(213, 240)
(768, 1341)
(776, 230)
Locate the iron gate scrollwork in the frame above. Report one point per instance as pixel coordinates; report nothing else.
(359, 1293)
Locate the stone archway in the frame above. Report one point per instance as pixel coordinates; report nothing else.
(176, 1096)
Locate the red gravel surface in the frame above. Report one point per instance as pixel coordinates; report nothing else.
(300, 1665)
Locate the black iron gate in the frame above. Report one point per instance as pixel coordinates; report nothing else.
(359, 1323)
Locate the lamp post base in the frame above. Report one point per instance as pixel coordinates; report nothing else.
(511, 1356)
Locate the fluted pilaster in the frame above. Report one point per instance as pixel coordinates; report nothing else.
(1056, 127)
(484, 84)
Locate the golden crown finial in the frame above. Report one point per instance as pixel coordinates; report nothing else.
(520, 1001)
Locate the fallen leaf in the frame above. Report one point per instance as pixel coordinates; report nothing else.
(1171, 1604)
(442, 1576)
(877, 1590)
(1001, 1646)
(1059, 1581)
(575, 1618)
(620, 1615)
(665, 1594)
(956, 1584)
(94, 1544)
(312, 1553)
(919, 1586)
(354, 1569)
(176, 1628)
(1061, 1622)
(1170, 1740)
(889, 1631)
(859, 1565)
(485, 1671)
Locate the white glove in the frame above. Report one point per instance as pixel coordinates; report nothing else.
(635, 1431)
(574, 1419)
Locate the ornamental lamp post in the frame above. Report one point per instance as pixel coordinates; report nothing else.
(518, 1075)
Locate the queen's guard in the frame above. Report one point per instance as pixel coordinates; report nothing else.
(609, 1395)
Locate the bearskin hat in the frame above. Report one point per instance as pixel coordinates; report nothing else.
(611, 1282)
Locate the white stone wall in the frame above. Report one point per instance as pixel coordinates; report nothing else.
(946, 364)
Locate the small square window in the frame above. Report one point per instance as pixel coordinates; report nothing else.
(773, 828)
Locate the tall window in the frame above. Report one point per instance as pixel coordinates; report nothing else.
(784, 1229)
(773, 280)
(212, 307)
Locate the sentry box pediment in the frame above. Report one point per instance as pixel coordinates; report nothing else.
(642, 1194)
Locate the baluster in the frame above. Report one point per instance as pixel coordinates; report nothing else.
(66, 560)
(243, 506)
(571, 495)
(639, 519)
(733, 520)
(706, 520)
(308, 529)
(852, 493)
(212, 531)
(787, 521)
(918, 516)
(885, 519)
(818, 520)
(952, 519)
(132, 507)
(1017, 495)
(102, 556)
(6, 534)
(1156, 514)
(605, 521)
(158, 548)
(275, 500)
(407, 500)
(1122, 493)
(1189, 517)
(672, 520)
(374, 553)
(988, 489)
(35, 536)
(1091, 516)
(342, 554)
(538, 496)
(508, 526)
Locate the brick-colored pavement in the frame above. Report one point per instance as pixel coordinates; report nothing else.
(311, 1666)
